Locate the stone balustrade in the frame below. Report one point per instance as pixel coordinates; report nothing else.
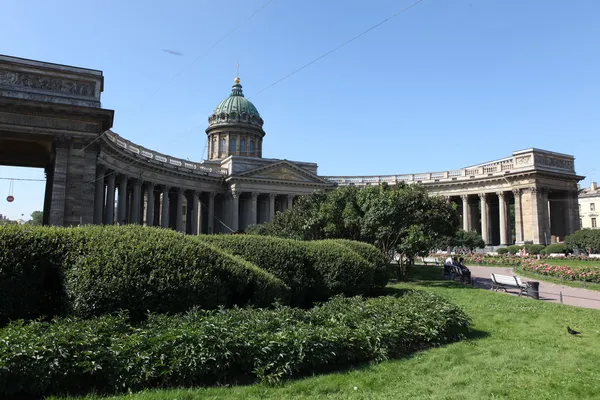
(521, 161)
(164, 159)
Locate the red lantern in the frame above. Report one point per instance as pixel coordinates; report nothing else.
(10, 199)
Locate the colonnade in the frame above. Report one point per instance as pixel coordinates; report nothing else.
(124, 200)
(526, 215)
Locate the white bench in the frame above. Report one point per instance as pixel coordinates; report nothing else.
(502, 282)
(431, 260)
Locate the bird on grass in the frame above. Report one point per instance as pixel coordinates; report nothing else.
(573, 332)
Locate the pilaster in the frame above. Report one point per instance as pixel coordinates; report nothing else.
(109, 213)
(485, 234)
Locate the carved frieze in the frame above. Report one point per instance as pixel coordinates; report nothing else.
(28, 80)
(554, 162)
(523, 161)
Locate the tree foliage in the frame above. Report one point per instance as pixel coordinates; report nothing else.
(584, 240)
(36, 218)
(397, 219)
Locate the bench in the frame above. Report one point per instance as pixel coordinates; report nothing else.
(455, 273)
(502, 282)
(431, 260)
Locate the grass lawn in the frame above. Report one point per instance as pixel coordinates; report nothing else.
(519, 348)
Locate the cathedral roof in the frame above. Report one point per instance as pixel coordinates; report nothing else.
(235, 109)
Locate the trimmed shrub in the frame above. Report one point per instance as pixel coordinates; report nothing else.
(555, 248)
(286, 259)
(534, 248)
(514, 249)
(108, 355)
(502, 250)
(341, 271)
(371, 254)
(31, 271)
(92, 270)
(150, 269)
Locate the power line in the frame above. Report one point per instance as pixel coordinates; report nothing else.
(263, 6)
(22, 179)
(340, 46)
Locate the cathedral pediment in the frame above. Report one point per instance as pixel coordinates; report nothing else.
(283, 171)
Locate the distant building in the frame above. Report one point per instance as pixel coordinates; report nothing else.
(589, 207)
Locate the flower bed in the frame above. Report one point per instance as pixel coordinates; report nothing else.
(585, 274)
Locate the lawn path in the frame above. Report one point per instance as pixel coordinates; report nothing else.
(548, 291)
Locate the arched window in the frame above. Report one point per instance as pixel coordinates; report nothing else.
(232, 145)
(251, 146)
(243, 145)
(214, 147)
(222, 145)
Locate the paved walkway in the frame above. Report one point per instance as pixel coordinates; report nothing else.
(548, 291)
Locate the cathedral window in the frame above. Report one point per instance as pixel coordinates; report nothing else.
(252, 146)
(232, 145)
(243, 145)
(222, 145)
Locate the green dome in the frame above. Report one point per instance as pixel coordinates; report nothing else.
(236, 108)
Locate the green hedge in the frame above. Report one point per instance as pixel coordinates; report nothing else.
(534, 249)
(286, 259)
(371, 254)
(514, 249)
(108, 355)
(555, 248)
(31, 272)
(93, 270)
(314, 270)
(502, 250)
(342, 271)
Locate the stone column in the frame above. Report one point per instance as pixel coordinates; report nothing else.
(519, 237)
(466, 212)
(135, 201)
(235, 211)
(571, 212)
(503, 219)
(254, 209)
(211, 213)
(59, 183)
(122, 202)
(271, 206)
(484, 218)
(195, 212)
(290, 201)
(538, 215)
(179, 222)
(149, 204)
(99, 196)
(109, 214)
(164, 218)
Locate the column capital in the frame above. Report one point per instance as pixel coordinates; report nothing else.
(149, 184)
(516, 192)
(483, 196)
(500, 194)
(255, 195)
(272, 195)
(212, 195)
(464, 197)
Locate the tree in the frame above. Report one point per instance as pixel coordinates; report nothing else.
(36, 218)
(466, 240)
(397, 219)
(584, 240)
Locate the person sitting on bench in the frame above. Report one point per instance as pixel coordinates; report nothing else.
(448, 265)
(465, 271)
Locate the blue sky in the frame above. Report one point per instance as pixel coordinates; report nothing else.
(444, 85)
